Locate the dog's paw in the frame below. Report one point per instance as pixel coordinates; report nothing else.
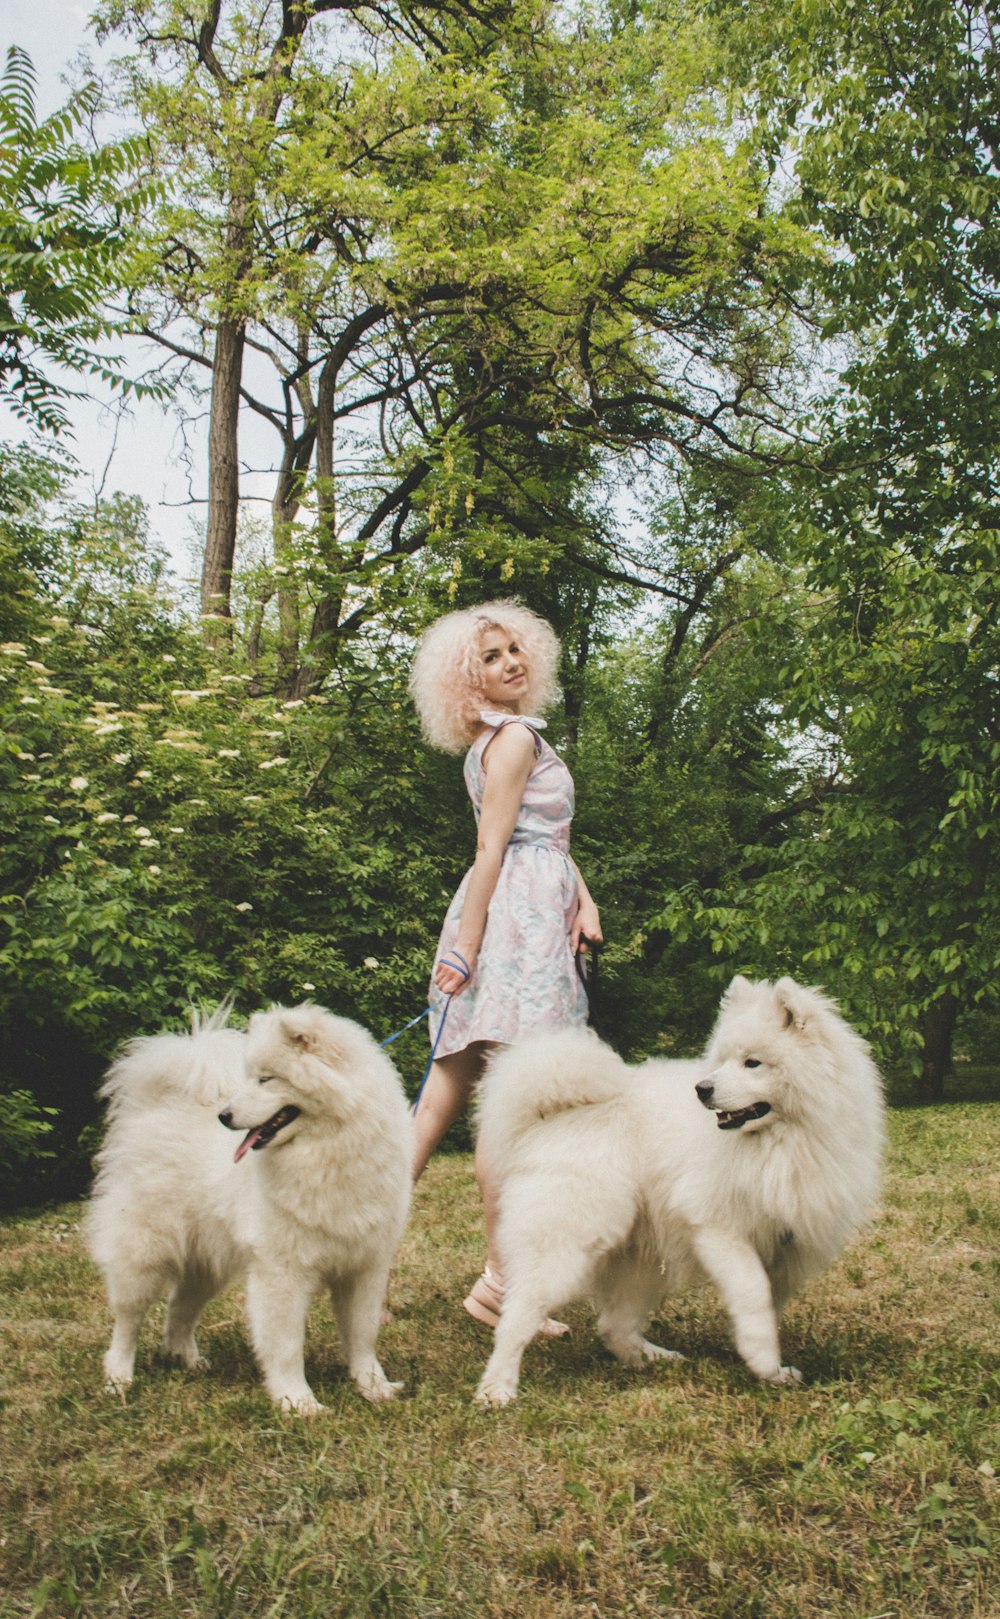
(193, 1363)
(118, 1375)
(786, 1374)
(495, 1394)
(301, 1405)
(375, 1390)
(651, 1351)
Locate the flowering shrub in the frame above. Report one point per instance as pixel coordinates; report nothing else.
(176, 841)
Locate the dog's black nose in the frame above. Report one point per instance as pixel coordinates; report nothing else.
(705, 1090)
(226, 1118)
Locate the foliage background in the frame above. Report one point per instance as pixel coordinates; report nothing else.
(679, 322)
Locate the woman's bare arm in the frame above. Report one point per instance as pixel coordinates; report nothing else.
(511, 756)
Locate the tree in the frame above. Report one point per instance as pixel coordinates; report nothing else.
(917, 520)
(485, 254)
(64, 215)
(889, 886)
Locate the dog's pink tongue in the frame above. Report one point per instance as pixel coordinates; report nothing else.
(247, 1142)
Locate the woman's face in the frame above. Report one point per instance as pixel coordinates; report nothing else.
(503, 669)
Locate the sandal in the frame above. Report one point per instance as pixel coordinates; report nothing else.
(485, 1301)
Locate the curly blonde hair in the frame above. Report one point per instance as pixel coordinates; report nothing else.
(446, 678)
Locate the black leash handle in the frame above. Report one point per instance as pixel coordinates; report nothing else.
(589, 980)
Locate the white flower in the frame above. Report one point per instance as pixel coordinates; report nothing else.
(370, 961)
(229, 753)
(296, 702)
(154, 871)
(143, 775)
(142, 832)
(79, 784)
(50, 820)
(26, 756)
(244, 905)
(105, 816)
(120, 758)
(175, 829)
(308, 988)
(149, 843)
(127, 818)
(29, 702)
(168, 657)
(273, 764)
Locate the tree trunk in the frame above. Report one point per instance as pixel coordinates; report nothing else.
(227, 371)
(223, 474)
(573, 694)
(284, 510)
(938, 1032)
(320, 653)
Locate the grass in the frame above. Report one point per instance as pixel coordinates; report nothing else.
(684, 1492)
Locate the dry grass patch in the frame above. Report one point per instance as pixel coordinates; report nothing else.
(686, 1492)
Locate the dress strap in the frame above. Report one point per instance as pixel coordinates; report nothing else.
(500, 716)
(498, 721)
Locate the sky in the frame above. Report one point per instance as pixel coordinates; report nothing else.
(139, 454)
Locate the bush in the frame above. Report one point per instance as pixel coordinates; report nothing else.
(178, 840)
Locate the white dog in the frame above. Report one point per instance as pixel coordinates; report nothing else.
(749, 1168)
(315, 1195)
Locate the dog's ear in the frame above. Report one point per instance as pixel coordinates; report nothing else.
(313, 1030)
(793, 1003)
(299, 1028)
(738, 990)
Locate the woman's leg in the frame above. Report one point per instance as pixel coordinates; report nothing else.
(486, 1297)
(489, 1192)
(446, 1096)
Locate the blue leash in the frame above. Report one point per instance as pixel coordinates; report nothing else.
(465, 970)
(418, 1019)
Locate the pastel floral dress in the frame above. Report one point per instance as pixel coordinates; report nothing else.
(525, 978)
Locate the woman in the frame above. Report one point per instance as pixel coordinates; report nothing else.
(506, 961)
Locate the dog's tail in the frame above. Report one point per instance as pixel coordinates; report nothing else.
(545, 1075)
(204, 1067)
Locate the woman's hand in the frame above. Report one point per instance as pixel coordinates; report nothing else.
(449, 975)
(586, 929)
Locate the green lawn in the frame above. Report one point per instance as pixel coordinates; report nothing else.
(872, 1492)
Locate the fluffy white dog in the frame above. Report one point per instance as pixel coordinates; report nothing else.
(315, 1195)
(749, 1168)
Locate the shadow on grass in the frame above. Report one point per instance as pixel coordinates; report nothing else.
(969, 1082)
(860, 1354)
